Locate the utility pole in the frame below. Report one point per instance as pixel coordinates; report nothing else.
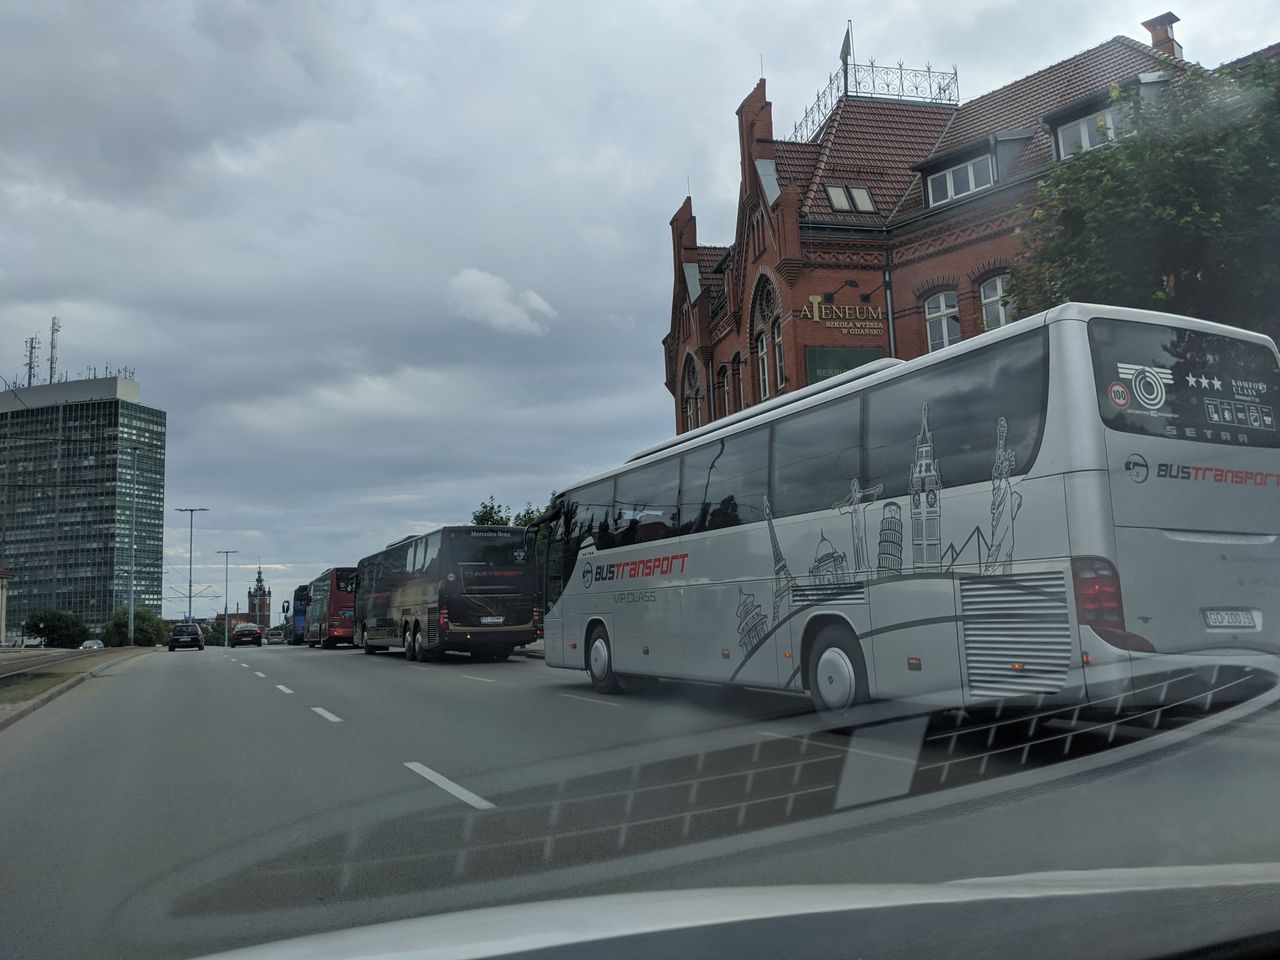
(191, 535)
(54, 327)
(226, 589)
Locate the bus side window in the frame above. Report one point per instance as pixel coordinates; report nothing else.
(645, 503)
(592, 507)
(816, 457)
(725, 482)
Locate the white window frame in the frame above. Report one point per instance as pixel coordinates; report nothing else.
(996, 304)
(762, 346)
(778, 359)
(937, 311)
(1115, 124)
(851, 199)
(948, 178)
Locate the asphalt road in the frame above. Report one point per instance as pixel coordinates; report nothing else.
(187, 802)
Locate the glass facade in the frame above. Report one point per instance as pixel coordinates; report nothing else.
(68, 490)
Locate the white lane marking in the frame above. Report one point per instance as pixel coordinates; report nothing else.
(327, 715)
(603, 703)
(257, 674)
(444, 783)
(245, 665)
(472, 676)
(282, 688)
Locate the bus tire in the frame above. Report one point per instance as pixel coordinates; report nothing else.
(836, 673)
(419, 653)
(600, 661)
(407, 638)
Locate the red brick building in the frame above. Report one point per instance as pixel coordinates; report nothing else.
(885, 225)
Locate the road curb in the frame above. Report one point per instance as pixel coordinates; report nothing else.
(53, 693)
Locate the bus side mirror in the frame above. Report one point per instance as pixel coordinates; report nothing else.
(284, 608)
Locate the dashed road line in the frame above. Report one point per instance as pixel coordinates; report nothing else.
(603, 703)
(472, 676)
(282, 688)
(245, 665)
(444, 783)
(257, 674)
(327, 715)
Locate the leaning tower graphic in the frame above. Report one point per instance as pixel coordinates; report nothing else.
(783, 581)
(926, 500)
(890, 559)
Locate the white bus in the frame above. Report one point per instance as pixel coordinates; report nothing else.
(1044, 509)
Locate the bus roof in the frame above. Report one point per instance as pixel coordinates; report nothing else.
(886, 369)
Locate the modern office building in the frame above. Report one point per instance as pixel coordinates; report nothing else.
(81, 498)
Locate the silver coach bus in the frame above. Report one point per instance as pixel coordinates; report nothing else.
(464, 588)
(1045, 509)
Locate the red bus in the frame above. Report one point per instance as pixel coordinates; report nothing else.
(331, 614)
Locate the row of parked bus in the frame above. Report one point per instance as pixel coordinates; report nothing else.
(1051, 509)
(463, 588)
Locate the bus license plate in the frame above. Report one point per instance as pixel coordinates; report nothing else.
(493, 621)
(1239, 619)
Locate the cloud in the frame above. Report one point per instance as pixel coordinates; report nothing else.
(486, 298)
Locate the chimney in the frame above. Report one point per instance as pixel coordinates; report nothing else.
(1161, 30)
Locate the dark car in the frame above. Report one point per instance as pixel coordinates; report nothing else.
(246, 633)
(186, 635)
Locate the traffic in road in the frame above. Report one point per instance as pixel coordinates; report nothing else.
(208, 800)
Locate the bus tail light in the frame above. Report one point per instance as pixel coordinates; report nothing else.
(444, 618)
(1100, 606)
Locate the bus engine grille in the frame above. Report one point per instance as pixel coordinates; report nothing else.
(1017, 634)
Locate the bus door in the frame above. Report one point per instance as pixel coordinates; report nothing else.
(1193, 456)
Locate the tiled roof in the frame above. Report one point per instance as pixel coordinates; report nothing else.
(1024, 102)
(1266, 53)
(795, 162)
(872, 143)
(708, 257)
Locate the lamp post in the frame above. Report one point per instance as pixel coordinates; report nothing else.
(191, 537)
(226, 588)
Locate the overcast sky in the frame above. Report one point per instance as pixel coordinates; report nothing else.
(378, 260)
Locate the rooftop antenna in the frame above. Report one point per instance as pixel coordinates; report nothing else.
(33, 344)
(54, 327)
(761, 66)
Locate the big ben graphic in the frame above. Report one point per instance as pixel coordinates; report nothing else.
(926, 500)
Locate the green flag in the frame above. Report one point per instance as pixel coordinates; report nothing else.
(846, 48)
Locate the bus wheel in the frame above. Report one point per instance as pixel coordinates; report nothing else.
(600, 662)
(837, 672)
(408, 643)
(419, 653)
(364, 642)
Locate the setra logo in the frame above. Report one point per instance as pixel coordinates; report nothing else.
(588, 577)
(1136, 468)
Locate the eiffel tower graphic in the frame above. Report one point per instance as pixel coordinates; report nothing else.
(783, 581)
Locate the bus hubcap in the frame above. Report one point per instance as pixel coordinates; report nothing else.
(599, 658)
(835, 678)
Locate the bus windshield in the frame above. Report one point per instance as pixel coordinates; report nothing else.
(1187, 384)
(491, 561)
(345, 581)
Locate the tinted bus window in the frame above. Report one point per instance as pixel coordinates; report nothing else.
(725, 482)
(588, 512)
(1169, 382)
(645, 503)
(816, 457)
(485, 561)
(946, 418)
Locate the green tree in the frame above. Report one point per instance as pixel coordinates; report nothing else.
(1181, 216)
(148, 629)
(531, 513)
(56, 628)
(492, 513)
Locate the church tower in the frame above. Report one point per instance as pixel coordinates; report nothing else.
(260, 602)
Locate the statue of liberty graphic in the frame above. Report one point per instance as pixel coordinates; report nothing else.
(1005, 504)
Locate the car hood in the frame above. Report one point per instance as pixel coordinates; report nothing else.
(548, 925)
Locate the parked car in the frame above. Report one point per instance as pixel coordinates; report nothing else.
(246, 633)
(92, 645)
(186, 635)
(275, 635)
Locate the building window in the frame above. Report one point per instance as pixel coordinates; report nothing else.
(942, 320)
(851, 199)
(997, 308)
(762, 348)
(960, 180)
(1093, 131)
(690, 393)
(722, 387)
(737, 376)
(778, 359)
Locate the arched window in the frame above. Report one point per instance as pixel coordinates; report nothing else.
(942, 320)
(722, 389)
(738, 391)
(779, 366)
(690, 393)
(997, 308)
(766, 315)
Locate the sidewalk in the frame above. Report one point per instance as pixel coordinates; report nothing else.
(533, 651)
(26, 692)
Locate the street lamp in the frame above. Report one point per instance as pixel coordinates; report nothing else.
(226, 592)
(191, 536)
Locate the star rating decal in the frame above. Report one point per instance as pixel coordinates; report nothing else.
(1217, 384)
(1203, 382)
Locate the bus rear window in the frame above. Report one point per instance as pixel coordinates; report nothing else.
(488, 560)
(1169, 382)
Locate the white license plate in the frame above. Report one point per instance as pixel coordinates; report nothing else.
(1240, 619)
(493, 621)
